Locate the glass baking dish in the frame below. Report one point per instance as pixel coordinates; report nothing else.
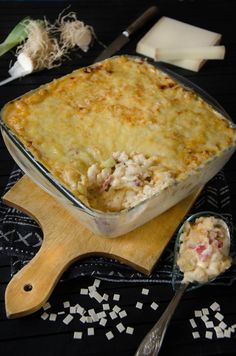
(112, 224)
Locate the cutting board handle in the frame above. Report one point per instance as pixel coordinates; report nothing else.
(31, 287)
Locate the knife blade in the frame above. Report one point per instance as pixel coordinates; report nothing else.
(124, 37)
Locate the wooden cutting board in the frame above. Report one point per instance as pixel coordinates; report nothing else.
(67, 240)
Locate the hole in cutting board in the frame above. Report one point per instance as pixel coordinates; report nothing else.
(28, 287)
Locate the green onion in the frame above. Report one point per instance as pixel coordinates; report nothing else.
(16, 36)
(110, 162)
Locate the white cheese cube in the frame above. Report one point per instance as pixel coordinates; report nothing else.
(222, 325)
(205, 318)
(120, 327)
(109, 335)
(73, 309)
(68, 319)
(116, 297)
(103, 321)
(154, 305)
(209, 335)
(145, 291)
(97, 283)
(139, 305)
(116, 309)
(198, 313)
(227, 333)
(215, 306)
(66, 304)
(205, 311)
(113, 315)
(52, 317)
(47, 306)
(196, 335)
(83, 319)
(83, 291)
(105, 297)
(90, 331)
(77, 335)
(122, 314)
(106, 306)
(44, 316)
(193, 323)
(129, 330)
(219, 316)
(209, 324)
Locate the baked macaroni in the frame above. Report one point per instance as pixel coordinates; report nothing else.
(118, 131)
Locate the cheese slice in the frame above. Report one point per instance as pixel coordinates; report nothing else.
(209, 52)
(170, 33)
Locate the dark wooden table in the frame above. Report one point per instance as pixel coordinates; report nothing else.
(33, 336)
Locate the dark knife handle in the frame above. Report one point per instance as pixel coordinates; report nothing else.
(141, 20)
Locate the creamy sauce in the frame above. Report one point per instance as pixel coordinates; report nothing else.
(204, 250)
(124, 180)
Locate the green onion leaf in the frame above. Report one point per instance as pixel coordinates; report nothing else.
(16, 36)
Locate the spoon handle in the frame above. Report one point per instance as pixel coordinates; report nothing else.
(152, 342)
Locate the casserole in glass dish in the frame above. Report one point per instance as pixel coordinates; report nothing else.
(118, 142)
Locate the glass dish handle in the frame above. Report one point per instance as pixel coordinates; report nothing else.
(152, 342)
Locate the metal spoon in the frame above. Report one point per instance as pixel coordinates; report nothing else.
(152, 342)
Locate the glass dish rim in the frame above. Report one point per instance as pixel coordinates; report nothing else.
(186, 83)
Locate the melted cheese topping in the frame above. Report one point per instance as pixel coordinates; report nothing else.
(120, 104)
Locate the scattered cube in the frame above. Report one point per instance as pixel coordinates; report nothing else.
(120, 327)
(97, 283)
(209, 324)
(106, 306)
(90, 331)
(139, 305)
(219, 316)
(46, 306)
(209, 335)
(222, 325)
(196, 334)
(205, 311)
(122, 314)
(113, 315)
(52, 317)
(145, 291)
(77, 335)
(68, 319)
(44, 316)
(193, 323)
(154, 305)
(103, 321)
(198, 313)
(215, 306)
(129, 330)
(116, 309)
(227, 333)
(66, 304)
(105, 297)
(109, 335)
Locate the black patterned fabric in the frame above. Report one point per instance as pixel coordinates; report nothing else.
(21, 238)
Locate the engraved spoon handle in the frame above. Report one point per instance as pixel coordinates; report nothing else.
(152, 342)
